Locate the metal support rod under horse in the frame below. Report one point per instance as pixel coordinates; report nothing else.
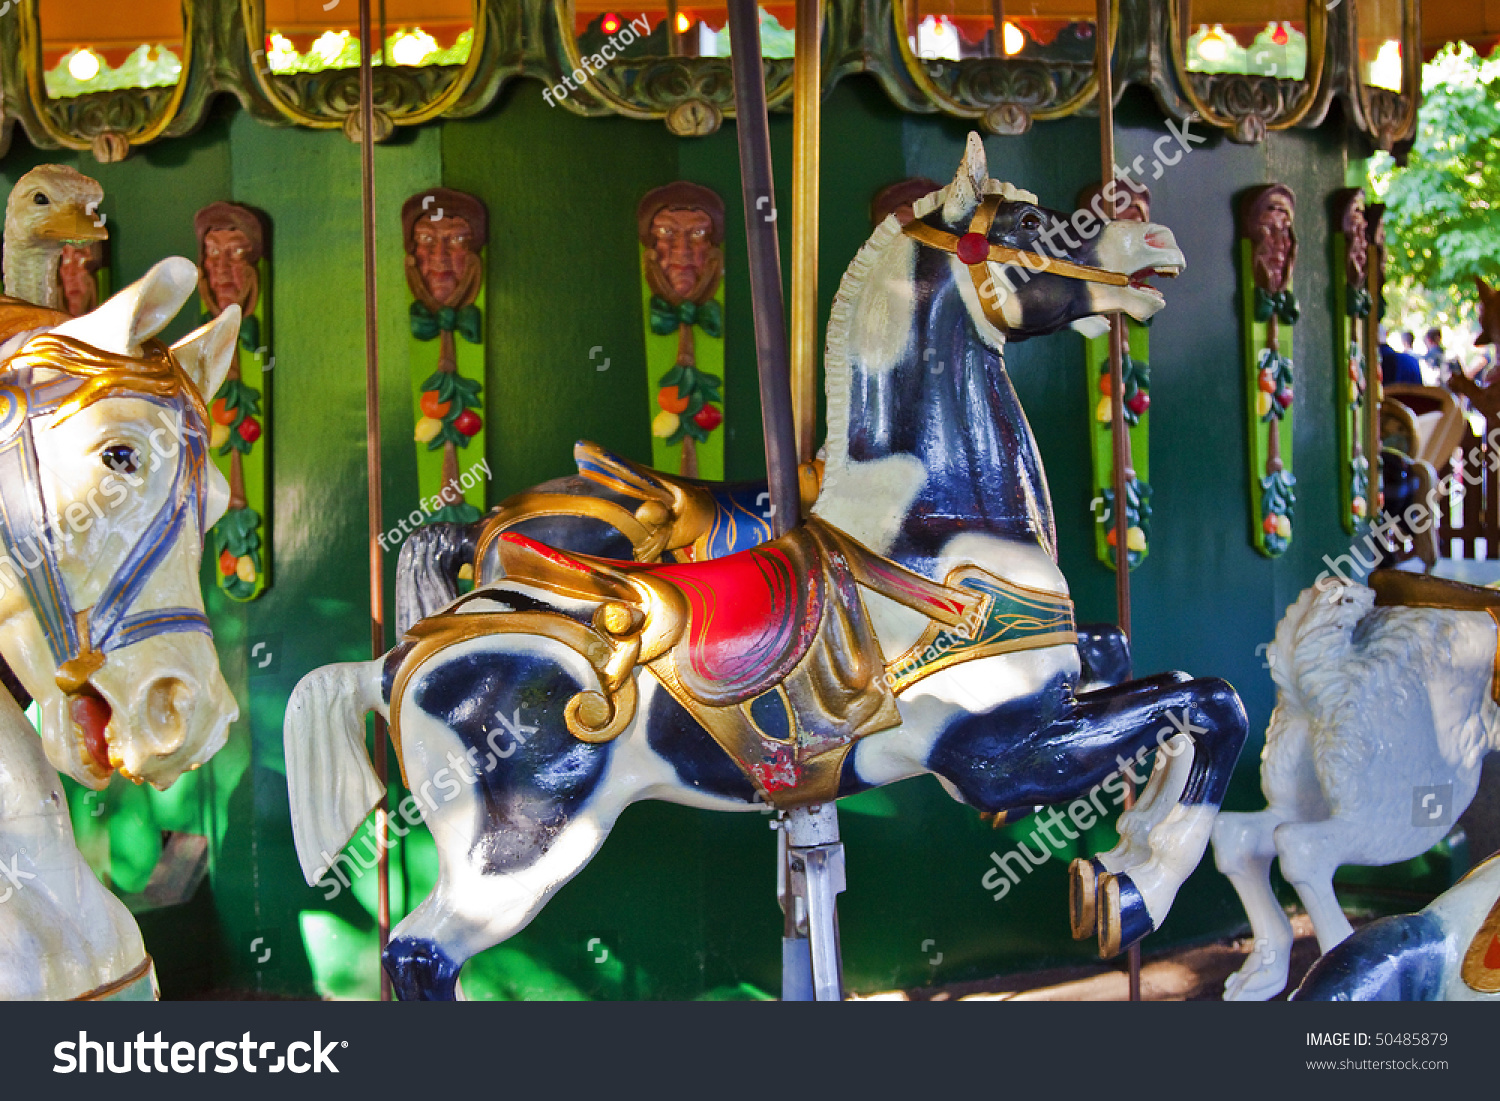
(809, 848)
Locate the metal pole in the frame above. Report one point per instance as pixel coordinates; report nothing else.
(765, 264)
(1118, 434)
(372, 467)
(807, 108)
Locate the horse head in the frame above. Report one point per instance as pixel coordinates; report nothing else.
(1034, 270)
(105, 495)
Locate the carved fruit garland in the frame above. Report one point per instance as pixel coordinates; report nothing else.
(1136, 375)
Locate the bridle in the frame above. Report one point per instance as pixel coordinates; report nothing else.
(974, 250)
(79, 640)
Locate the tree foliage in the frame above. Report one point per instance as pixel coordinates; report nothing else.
(1443, 209)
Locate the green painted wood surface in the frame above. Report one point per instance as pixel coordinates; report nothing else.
(684, 899)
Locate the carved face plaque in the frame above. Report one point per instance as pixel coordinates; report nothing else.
(75, 272)
(442, 248)
(1272, 238)
(682, 238)
(228, 265)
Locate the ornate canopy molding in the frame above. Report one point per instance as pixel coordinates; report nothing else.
(666, 76)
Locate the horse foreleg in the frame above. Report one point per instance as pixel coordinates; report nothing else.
(1310, 853)
(1244, 846)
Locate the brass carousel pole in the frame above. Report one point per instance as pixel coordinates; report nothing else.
(372, 466)
(1118, 434)
(807, 108)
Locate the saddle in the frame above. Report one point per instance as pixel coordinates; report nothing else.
(771, 650)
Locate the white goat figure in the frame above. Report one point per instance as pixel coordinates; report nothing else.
(1383, 718)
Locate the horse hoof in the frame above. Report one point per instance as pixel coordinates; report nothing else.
(1123, 918)
(1083, 878)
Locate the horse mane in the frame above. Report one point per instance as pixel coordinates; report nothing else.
(844, 314)
(1334, 652)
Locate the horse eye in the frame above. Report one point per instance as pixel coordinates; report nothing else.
(40, 200)
(121, 458)
(1030, 222)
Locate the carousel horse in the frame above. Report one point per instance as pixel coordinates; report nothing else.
(1385, 709)
(104, 499)
(916, 622)
(1448, 952)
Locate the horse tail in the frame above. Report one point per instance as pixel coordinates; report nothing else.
(329, 777)
(427, 568)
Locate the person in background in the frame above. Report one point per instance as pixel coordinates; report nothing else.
(1408, 342)
(1397, 366)
(1434, 361)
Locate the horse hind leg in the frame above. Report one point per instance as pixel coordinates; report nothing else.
(474, 907)
(1244, 846)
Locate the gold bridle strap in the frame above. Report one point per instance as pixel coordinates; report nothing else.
(984, 216)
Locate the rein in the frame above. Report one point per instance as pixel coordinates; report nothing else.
(79, 640)
(974, 250)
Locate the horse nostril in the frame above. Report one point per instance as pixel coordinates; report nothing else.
(169, 702)
(1160, 238)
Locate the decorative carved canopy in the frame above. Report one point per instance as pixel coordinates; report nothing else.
(158, 63)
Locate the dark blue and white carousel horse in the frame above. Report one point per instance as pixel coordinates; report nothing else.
(917, 622)
(1449, 952)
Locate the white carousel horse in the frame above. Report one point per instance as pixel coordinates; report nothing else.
(829, 642)
(104, 497)
(1448, 952)
(1384, 714)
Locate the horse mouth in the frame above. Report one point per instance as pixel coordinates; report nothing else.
(91, 714)
(1166, 271)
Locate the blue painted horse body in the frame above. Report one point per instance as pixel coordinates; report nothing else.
(523, 733)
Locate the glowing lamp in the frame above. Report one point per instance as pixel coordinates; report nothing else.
(1213, 46)
(1012, 39)
(610, 23)
(412, 48)
(84, 64)
(1279, 35)
(684, 24)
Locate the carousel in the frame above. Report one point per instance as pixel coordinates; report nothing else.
(834, 499)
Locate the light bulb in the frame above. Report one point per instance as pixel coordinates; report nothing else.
(84, 64)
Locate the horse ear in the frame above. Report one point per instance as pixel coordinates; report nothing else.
(138, 312)
(206, 352)
(968, 185)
